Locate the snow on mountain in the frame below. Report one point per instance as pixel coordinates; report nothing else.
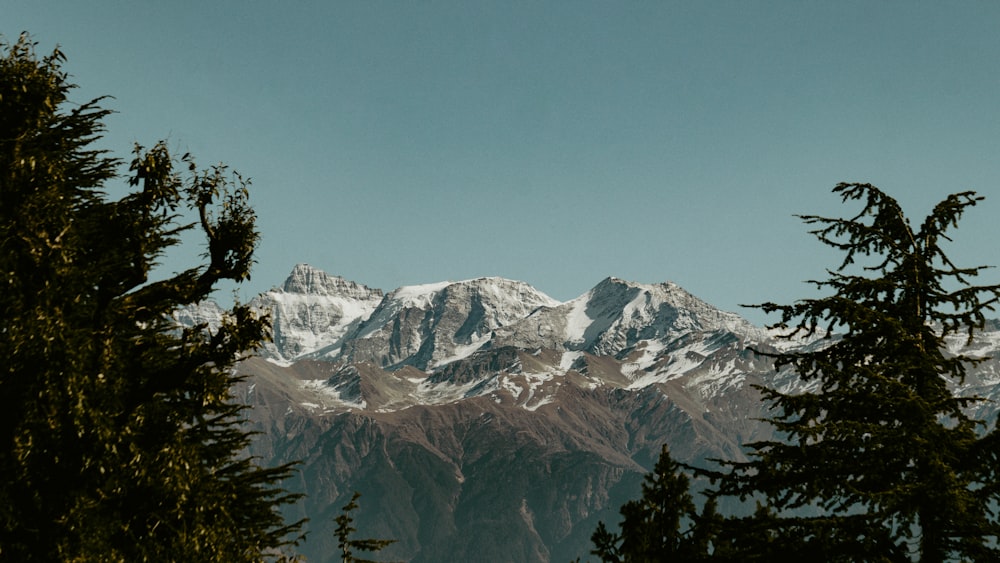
(427, 326)
(494, 337)
(313, 310)
(504, 339)
(616, 315)
(498, 338)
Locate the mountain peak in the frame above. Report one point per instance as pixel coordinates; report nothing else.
(313, 310)
(496, 287)
(306, 279)
(428, 325)
(616, 282)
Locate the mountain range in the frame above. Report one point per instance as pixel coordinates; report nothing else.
(483, 420)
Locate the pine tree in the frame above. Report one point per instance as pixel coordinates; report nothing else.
(878, 459)
(119, 440)
(348, 545)
(663, 524)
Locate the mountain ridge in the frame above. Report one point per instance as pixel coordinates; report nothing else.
(305, 328)
(484, 420)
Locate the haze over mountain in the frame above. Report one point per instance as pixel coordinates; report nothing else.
(485, 421)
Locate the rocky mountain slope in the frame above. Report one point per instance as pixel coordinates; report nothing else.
(313, 309)
(484, 421)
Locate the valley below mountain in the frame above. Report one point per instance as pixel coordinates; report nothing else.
(485, 421)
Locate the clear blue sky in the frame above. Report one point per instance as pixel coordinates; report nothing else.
(558, 143)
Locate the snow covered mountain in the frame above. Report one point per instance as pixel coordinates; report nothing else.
(448, 331)
(312, 310)
(429, 326)
(484, 420)
(617, 315)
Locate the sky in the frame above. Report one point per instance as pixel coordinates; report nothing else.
(558, 143)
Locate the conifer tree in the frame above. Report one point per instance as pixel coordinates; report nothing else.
(346, 544)
(662, 525)
(118, 437)
(877, 459)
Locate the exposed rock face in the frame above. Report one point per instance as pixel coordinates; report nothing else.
(313, 310)
(617, 315)
(430, 325)
(484, 421)
(490, 477)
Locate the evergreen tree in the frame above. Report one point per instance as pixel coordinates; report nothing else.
(878, 458)
(345, 529)
(663, 525)
(118, 437)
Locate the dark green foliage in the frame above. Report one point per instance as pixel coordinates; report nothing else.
(879, 460)
(345, 544)
(663, 525)
(118, 438)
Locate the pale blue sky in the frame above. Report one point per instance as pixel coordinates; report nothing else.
(558, 143)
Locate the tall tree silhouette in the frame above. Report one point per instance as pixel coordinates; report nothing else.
(118, 438)
(878, 459)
